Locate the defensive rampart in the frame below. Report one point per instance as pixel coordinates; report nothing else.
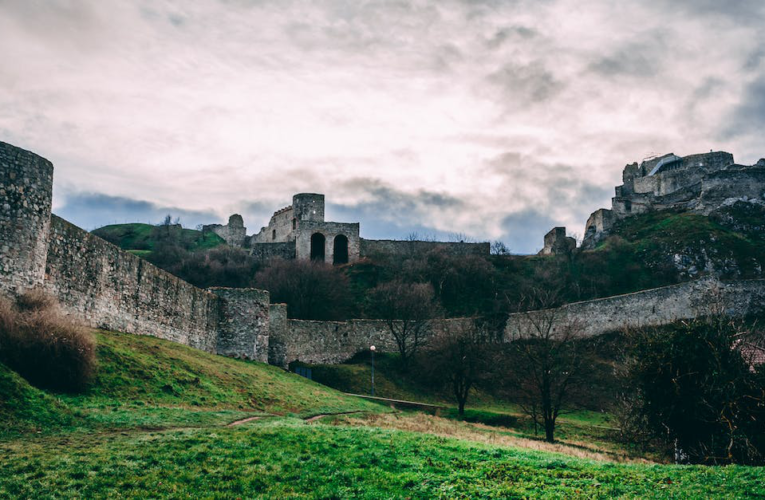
(109, 288)
(106, 287)
(371, 248)
(655, 307)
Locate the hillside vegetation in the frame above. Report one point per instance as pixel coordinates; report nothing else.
(144, 238)
(644, 251)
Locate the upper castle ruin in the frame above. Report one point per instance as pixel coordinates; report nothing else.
(700, 183)
(299, 231)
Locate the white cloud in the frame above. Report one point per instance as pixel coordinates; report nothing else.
(221, 104)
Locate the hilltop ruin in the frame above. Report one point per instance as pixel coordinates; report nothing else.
(700, 183)
(299, 231)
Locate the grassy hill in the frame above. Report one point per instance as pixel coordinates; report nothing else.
(691, 243)
(144, 381)
(156, 423)
(143, 238)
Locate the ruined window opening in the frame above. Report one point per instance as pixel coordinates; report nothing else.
(340, 255)
(627, 206)
(273, 234)
(294, 224)
(317, 246)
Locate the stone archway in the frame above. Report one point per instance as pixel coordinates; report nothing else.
(318, 244)
(340, 253)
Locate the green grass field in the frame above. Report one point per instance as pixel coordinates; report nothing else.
(292, 459)
(156, 424)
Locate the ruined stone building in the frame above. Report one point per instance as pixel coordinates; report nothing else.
(699, 183)
(299, 231)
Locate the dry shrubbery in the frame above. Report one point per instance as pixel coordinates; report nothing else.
(44, 346)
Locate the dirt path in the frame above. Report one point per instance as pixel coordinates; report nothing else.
(308, 420)
(245, 420)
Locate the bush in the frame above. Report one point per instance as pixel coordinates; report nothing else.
(312, 290)
(694, 390)
(44, 346)
(483, 417)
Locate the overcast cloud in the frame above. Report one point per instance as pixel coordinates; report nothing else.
(496, 119)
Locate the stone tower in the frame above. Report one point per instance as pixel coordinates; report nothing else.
(308, 207)
(26, 187)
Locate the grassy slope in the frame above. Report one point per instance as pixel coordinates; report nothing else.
(291, 459)
(144, 381)
(595, 428)
(24, 408)
(657, 235)
(147, 386)
(140, 238)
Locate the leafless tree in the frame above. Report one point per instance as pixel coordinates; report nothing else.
(407, 309)
(499, 248)
(545, 358)
(456, 357)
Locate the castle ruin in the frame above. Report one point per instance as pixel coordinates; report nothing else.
(299, 231)
(700, 183)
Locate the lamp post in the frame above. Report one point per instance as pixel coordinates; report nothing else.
(372, 350)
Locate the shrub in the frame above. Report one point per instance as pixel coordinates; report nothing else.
(694, 390)
(312, 290)
(44, 346)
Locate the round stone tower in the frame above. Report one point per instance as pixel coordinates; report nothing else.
(308, 206)
(26, 187)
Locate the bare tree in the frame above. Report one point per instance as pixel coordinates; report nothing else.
(499, 248)
(407, 309)
(545, 358)
(456, 357)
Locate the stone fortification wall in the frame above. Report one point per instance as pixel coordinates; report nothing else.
(740, 183)
(104, 286)
(278, 329)
(331, 342)
(330, 231)
(370, 248)
(655, 307)
(234, 233)
(107, 287)
(280, 228)
(267, 251)
(243, 328)
(26, 184)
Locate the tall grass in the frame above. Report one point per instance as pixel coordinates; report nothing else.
(43, 345)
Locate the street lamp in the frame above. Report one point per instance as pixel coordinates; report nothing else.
(372, 350)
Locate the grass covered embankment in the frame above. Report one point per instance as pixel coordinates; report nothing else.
(148, 382)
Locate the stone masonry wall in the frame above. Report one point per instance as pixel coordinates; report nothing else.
(107, 287)
(330, 342)
(370, 248)
(278, 329)
(243, 329)
(658, 306)
(26, 184)
(264, 252)
(104, 286)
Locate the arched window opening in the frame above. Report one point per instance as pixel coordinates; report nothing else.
(340, 255)
(273, 234)
(318, 242)
(294, 224)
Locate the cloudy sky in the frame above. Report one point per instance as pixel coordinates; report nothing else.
(494, 119)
